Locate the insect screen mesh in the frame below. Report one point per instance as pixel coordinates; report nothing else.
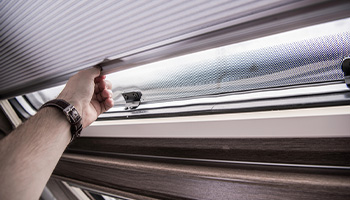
(303, 56)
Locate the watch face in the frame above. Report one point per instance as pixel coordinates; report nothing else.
(75, 114)
(72, 114)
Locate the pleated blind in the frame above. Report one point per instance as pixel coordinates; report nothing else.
(301, 58)
(43, 42)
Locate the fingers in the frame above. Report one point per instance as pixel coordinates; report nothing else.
(103, 93)
(106, 94)
(102, 84)
(105, 102)
(100, 78)
(108, 103)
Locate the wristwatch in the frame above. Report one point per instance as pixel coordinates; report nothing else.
(70, 112)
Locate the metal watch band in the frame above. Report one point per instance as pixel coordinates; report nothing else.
(70, 112)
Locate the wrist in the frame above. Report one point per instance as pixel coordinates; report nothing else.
(61, 120)
(70, 112)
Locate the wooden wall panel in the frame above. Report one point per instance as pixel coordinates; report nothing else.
(312, 151)
(174, 168)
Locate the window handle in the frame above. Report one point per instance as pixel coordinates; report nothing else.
(132, 99)
(346, 69)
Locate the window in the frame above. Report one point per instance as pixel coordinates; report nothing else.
(294, 63)
(235, 105)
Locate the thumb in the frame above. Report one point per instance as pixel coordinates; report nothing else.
(92, 72)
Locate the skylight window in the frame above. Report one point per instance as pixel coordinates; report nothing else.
(304, 56)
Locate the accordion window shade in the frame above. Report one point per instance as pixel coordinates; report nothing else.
(42, 43)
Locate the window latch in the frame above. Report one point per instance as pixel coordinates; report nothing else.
(346, 69)
(132, 99)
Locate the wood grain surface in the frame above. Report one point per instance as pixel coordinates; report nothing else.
(315, 151)
(208, 169)
(163, 180)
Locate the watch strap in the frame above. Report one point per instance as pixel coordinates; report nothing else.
(71, 114)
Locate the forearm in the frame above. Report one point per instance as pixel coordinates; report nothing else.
(30, 153)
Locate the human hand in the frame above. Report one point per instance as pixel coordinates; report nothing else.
(89, 93)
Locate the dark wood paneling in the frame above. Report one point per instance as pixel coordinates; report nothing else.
(185, 168)
(183, 181)
(314, 151)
